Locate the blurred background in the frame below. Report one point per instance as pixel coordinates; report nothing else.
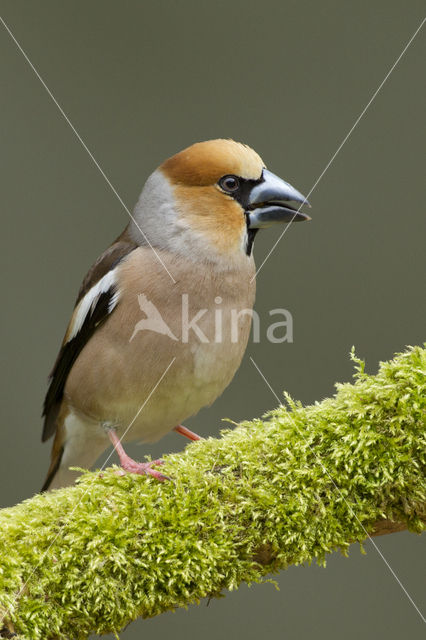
(140, 81)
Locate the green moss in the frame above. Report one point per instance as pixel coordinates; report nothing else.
(286, 490)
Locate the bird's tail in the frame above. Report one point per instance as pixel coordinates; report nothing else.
(77, 443)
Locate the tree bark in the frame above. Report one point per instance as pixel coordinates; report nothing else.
(286, 490)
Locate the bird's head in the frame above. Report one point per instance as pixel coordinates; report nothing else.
(209, 201)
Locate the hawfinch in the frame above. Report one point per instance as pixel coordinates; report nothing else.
(162, 318)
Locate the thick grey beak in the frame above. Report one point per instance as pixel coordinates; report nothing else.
(269, 203)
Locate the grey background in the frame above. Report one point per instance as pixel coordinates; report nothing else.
(141, 80)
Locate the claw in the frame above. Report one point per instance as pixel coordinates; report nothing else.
(128, 465)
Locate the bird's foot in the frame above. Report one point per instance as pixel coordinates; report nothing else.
(186, 432)
(128, 465)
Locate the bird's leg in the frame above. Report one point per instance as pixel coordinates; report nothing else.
(186, 432)
(131, 466)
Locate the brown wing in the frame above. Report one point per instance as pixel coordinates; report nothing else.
(120, 248)
(97, 314)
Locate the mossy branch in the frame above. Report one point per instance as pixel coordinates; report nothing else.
(287, 490)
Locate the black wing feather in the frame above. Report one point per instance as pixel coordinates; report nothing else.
(70, 351)
(66, 358)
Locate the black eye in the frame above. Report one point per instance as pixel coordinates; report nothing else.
(229, 183)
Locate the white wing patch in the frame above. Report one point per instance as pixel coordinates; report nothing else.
(88, 303)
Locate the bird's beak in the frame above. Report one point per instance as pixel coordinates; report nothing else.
(269, 203)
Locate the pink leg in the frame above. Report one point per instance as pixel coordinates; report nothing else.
(130, 465)
(186, 432)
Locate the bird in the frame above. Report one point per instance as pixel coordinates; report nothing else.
(144, 350)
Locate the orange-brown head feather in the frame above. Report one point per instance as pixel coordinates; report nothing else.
(201, 204)
(204, 163)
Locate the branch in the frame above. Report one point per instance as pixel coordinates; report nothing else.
(287, 490)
